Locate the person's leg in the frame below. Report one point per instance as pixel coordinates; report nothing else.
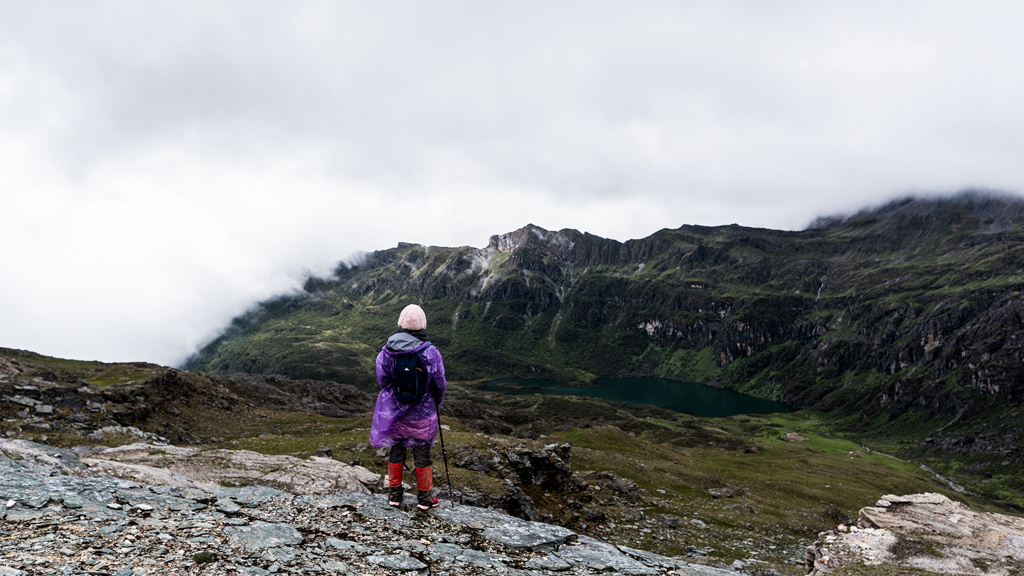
(396, 462)
(424, 477)
(421, 456)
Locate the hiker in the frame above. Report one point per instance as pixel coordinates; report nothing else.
(408, 418)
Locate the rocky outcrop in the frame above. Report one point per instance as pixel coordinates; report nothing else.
(540, 485)
(546, 467)
(161, 406)
(10, 366)
(926, 531)
(90, 524)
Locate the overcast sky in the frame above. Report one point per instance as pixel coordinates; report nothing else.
(165, 165)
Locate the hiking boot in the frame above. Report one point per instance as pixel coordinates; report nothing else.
(395, 495)
(426, 501)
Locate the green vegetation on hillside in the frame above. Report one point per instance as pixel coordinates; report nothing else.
(784, 492)
(742, 487)
(895, 324)
(97, 373)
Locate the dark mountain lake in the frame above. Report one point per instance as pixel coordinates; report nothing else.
(696, 399)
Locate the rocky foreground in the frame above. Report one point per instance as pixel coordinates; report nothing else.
(165, 423)
(61, 517)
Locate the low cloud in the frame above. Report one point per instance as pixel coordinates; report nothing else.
(165, 166)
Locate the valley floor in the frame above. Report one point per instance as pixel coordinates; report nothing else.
(751, 491)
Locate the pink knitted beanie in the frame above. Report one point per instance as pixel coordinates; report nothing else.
(412, 318)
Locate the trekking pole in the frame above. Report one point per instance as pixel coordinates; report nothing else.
(444, 455)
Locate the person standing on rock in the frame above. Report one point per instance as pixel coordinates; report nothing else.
(408, 419)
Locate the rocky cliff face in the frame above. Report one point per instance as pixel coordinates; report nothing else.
(912, 307)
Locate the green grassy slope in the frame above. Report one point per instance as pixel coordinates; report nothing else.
(897, 324)
(783, 492)
(780, 479)
(92, 372)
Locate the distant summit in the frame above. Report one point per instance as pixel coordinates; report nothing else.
(994, 211)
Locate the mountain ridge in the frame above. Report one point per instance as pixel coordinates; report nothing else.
(902, 318)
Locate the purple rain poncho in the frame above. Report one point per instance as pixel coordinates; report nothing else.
(396, 424)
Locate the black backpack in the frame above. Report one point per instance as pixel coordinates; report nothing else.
(410, 378)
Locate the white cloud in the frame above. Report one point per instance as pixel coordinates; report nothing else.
(164, 165)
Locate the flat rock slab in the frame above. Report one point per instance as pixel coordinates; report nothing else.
(281, 554)
(926, 531)
(444, 550)
(504, 529)
(472, 515)
(352, 500)
(367, 505)
(250, 495)
(403, 563)
(42, 453)
(227, 506)
(160, 502)
(146, 474)
(529, 536)
(179, 466)
(601, 556)
(94, 510)
(478, 558)
(551, 563)
(263, 535)
(22, 515)
(346, 545)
